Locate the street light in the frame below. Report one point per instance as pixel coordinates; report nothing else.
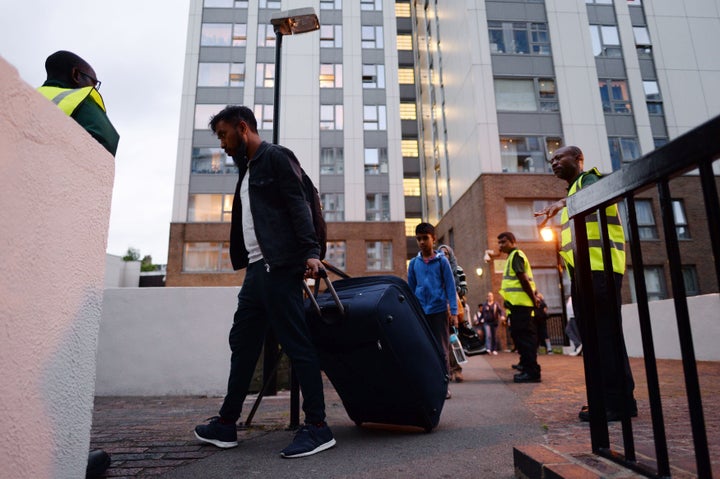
(549, 234)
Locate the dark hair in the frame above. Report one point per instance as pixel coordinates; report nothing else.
(59, 65)
(234, 114)
(507, 235)
(425, 228)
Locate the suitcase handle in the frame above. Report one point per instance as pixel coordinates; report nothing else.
(322, 273)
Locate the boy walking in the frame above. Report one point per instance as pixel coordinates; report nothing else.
(431, 280)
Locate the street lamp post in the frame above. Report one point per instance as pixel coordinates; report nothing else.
(287, 22)
(549, 234)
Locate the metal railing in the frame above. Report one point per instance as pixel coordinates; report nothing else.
(695, 150)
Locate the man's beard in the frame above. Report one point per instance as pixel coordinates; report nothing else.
(240, 157)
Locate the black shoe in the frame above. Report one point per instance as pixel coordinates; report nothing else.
(517, 366)
(526, 378)
(98, 462)
(218, 434)
(612, 416)
(309, 440)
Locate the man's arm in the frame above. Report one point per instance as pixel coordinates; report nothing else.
(550, 211)
(525, 282)
(411, 275)
(449, 284)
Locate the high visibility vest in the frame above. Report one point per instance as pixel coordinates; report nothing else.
(68, 99)
(511, 287)
(615, 230)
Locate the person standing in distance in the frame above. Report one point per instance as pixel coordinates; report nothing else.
(73, 86)
(518, 291)
(618, 385)
(272, 235)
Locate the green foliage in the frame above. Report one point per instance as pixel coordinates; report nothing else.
(133, 254)
(146, 264)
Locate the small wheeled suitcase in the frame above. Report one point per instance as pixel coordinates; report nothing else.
(377, 349)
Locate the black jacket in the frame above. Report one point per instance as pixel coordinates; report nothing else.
(281, 216)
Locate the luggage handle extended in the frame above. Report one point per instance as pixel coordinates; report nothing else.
(322, 273)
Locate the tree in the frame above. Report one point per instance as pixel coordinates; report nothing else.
(133, 254)
(147, 264)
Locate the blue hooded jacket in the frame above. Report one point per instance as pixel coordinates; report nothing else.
(433, 283)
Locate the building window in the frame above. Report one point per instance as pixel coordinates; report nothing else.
(372, 36)
(519, 38)
(521, 221)
(265, 75)
(205, 208)
(373, 76)
(270, 4)
(408, 111)
(404, 42)
(654, 283)
(203, 113)
(406, 76)
(605, 41)
(336, 252)
(634, 2)
(332, 161)
(614, 96)
(221, 74)
(211, 161)
(266, 35)
(331, 75)
(218, 3)
(409, 148)
(330, 4)
(527, 154)
(371, 5)
(659, 142)
(379, 255)
(207, 258)
(331, 117)
(681, 223)
(623, 150)
(264, 116)
(410, 225)
(402, 10)
(216, 34)
(690, 279)
(374, 117)
(600, 2)
(411, 187)
(536, 94)
(333, 206)
(239, 37)
(652, 97)
(376, 161)
(330, 36)
(377, 207)
(647, 230)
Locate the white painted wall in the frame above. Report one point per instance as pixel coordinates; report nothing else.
(121, 274)
(55, 191)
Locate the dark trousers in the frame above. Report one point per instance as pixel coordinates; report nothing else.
(439, 326)
(618, 384)
(272, 300)
(491, 342)
(524, 335)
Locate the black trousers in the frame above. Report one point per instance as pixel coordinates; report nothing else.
(272, 299)
(524, 335)
(618, 383)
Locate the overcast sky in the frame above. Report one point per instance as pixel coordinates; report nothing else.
(137, 49)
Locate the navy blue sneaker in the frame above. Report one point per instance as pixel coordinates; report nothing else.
(309, 440)
(217, 433)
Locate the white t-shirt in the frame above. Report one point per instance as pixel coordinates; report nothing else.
(251, 242)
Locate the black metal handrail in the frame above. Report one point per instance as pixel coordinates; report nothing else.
(696, 149)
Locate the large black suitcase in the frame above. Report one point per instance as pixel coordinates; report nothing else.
(379, 353)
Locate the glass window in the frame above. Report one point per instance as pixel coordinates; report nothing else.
(239, 37)
(600, 2)
(218, 3)
(614, 96)
(521, 220)
(642, 37)
(527, 154)
(379, 255)
(371, 5)
(404, 42)
(411, 186)
(203, 113)
(605, 41)
(406, 76)
(377, 207)
(519, 38)
(634, 2)
(336, 252)
(402, 10)
(376, 161)
(215, 34)
(264, 116)
(333, 206)
(374, 117)
(330, 36)
(212, 161)
(515, 95)
(207, 258)
(408, 111)
(266, 36)
(410, 225)
(265, 75)
(372, 36)
(331, 75)
(658, 142)
(409, 148)
(653, 98)
(209, 208)
(331, 117)
(373, 76)
(332, 161)
(690, 279)
(681, 223)
(646, 219)
(330, 4)
(221, 74)
(654, 283)
(274, 4)
(623, 150)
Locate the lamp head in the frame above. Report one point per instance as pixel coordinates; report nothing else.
(298, 20)
(547, 233)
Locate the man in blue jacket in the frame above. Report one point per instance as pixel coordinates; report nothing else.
(272, 235)
(431, 279)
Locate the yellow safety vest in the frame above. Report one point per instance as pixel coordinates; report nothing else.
(511, 289)
(615, 230)
(68, 99)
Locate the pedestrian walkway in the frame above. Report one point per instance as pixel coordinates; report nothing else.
(486, 418)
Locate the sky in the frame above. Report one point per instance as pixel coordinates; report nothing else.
(137, 49)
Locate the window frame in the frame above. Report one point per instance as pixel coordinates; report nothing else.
(333, 206)
(374, 117)
(331, 117)
(373, 76)
(379, 255)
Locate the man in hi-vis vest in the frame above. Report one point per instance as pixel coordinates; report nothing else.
(618, 384)
(518, 292)
(72, 85)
